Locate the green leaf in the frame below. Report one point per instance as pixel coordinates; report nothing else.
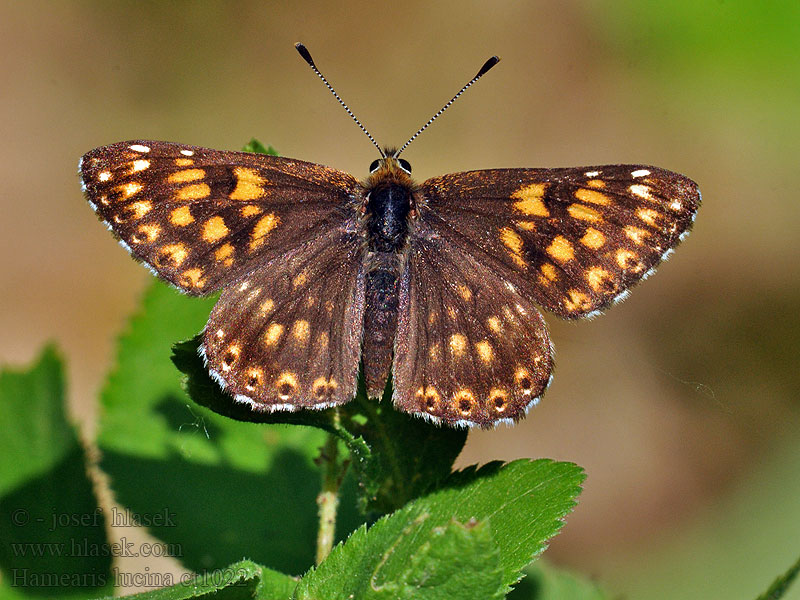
(255, 146)
(378, 437)
(53, 533)
(243, 580)
(460, 560)
(522, 504)
(545, 582)
(229, 489)
(781, 584)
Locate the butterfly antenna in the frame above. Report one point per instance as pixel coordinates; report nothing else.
(484, 69)
(307, 57)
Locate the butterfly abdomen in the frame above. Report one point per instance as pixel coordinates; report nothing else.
(387, 211)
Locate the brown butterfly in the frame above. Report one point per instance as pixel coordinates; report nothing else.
(436, 283)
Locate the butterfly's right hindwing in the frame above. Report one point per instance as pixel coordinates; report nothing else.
(470, 349)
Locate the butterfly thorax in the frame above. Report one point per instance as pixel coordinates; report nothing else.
(388, 208)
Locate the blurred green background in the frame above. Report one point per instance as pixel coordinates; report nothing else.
(682, 403)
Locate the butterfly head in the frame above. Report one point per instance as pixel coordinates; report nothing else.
(390, 169)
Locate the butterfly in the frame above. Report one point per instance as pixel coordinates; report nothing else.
(436, 283)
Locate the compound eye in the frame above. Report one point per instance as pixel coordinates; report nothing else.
(405, 165)
(374, 166)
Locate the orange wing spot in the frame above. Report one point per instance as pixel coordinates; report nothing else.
(577, 301)
(301, 330)
(596, 183)
(186, 176)
(104, 176)
(428, 397)
(592, 196)
(549, 271)
(433, 352)
(266, 306)
(175, 253)
(250, 210)
(513, 242)
(196, 191)
(584, 213)
(494, 324)
(593, 239)
(641, 190)
(255, 377)
(248, 184)
(286, 384)
(628, 260)
(485, 352)
(150, 232)
(322, 340)
(128, 189)
(465, 401)
(183, 162)
(192, 278)
(596, 277)
(498, 399)
(530, 200)
(560, 249)
(649, 216)
(323, 388)
(524, 380)
(526, 225)
(214, 229)
(141, 208)
(261, 229)
(230, 357)
(458, 343)
(139, 165)
(181, 216)
(273, 334)
(464, 292)
(300, 279)
(224, 254)
(636, 234)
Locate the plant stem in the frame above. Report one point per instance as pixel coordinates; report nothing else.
(328, 499)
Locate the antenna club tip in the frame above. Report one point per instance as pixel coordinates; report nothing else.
(488, 65)
(300, 47)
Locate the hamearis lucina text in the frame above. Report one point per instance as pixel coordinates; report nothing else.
(437, 283)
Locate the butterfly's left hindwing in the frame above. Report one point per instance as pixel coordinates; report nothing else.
(288, 336)
(203, 218)
(574, 240)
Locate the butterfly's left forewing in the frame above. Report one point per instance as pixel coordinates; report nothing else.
(203, 218)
